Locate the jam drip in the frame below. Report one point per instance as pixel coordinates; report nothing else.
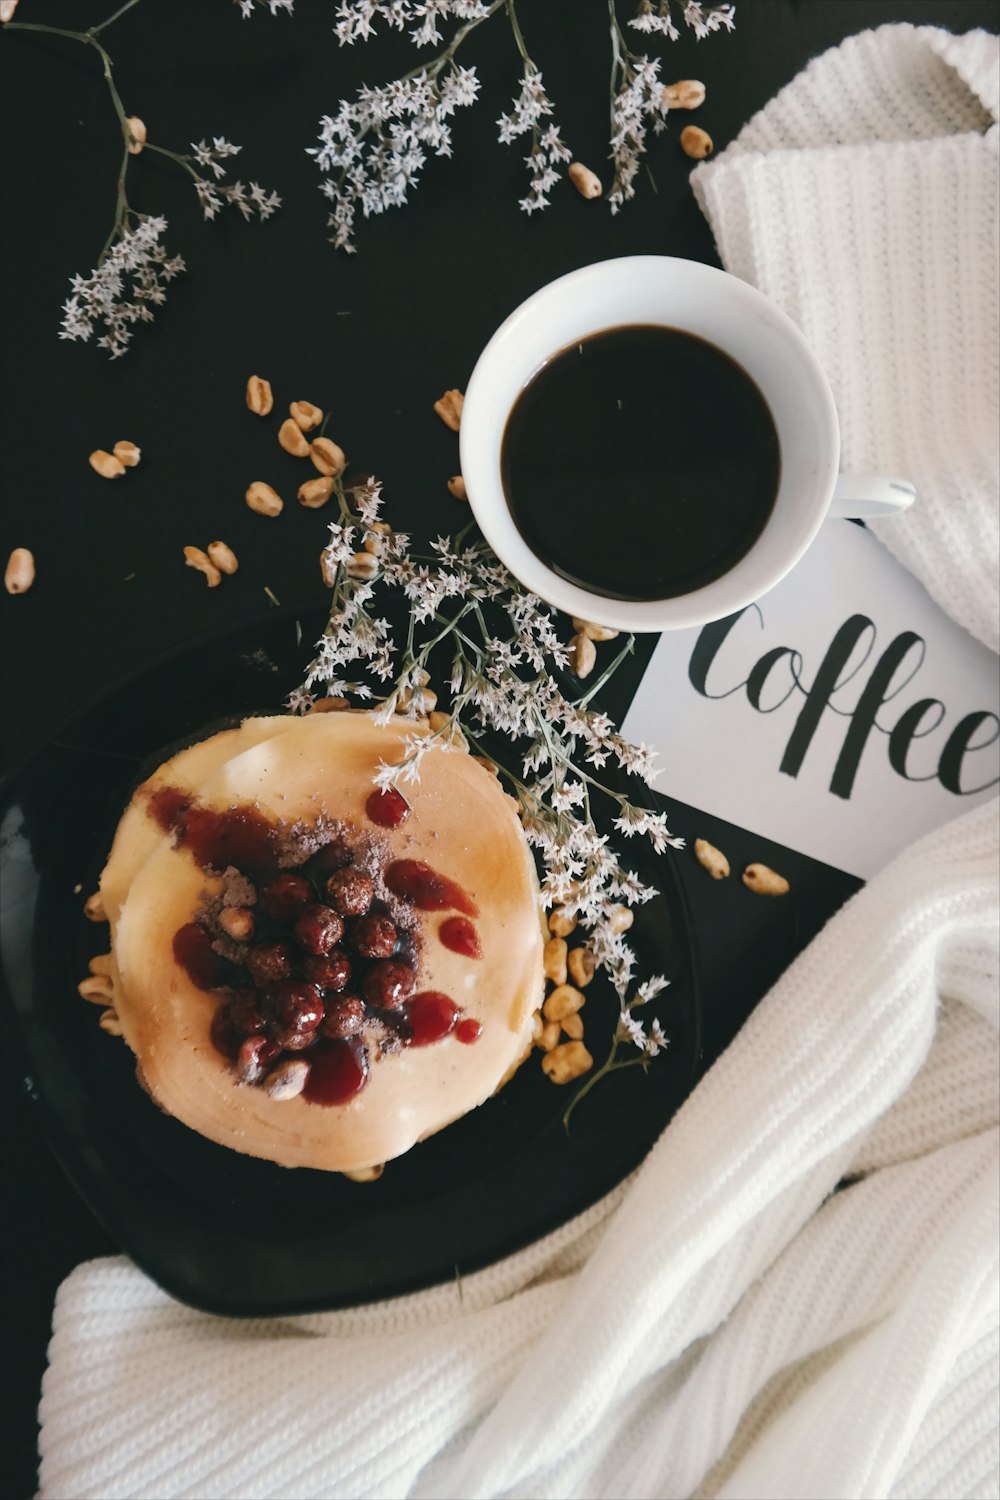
(458, 934)
(193, 951)
(430, 1016)
(338, 1072)
(166, 804)
(387, 807)
(239, 836)
(414, 881)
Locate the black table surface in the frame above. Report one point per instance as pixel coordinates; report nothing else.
(374, 338)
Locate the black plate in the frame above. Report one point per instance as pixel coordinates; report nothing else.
(229, 1233)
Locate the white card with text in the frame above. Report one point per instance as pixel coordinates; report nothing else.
(843, 715)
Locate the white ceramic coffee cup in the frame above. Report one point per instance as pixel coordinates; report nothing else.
(684, 294)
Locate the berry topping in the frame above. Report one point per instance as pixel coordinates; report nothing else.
(284, 897)
(318, 929)
(373, 937)
(387, 984)
(245, 1014)
(331, 971)
(333, 856)
(297, 1006)
(344, 1017)
(225, 1038)
(269, 963)
(277, 954)
(351, 892)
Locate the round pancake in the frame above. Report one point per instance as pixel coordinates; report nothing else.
(461, 824)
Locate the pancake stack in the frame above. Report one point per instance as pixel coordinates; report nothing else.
(243, 964)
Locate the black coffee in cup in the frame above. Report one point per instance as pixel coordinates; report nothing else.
(640, 463)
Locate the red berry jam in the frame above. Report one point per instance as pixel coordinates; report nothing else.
(318, 929)
(469, 1031)
(245, 1013)
(388, 808)
(333, 856)
(297, 1006)
(332, 972)
(387, 984)
(193, 951)
(414, 881)
(225, 1038)
(339, 1071)
(269, 963)
(283, 898)
(431, 1016)
(166, 804)
(458, 934)
(373, 937)
(344, 1017)
(350, 892)
(240, 836)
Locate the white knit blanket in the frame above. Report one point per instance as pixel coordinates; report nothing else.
(725, 1324)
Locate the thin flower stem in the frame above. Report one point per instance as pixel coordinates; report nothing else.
(446, 56)
(75, 36)
(616, 59)
(89, 39)
(608, 672)
(181, 160)
(519, 36)
(609, 1065)
(103, 25)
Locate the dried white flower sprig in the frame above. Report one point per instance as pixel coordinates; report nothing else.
(502, 649)
(378, 143)
(372, 149)
(247, 7)
(134, 268)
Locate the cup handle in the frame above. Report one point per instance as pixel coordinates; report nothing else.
(858, 496)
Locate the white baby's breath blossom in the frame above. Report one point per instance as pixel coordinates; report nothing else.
(247, 7)
(633, 820)
(656, 1041)
(632, 1031)
(639, 100)
(548, 150)
(133, 268)
(356, 18)
(374, 148)
(214, 194)
(214, 155)
(651, 19)
(704, 19)
(123, 290)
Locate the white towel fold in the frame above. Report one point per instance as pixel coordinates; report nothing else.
(728, 1323)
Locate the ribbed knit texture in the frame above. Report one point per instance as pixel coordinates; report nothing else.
(728, 1323)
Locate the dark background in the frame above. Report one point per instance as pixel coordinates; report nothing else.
(374, 338)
